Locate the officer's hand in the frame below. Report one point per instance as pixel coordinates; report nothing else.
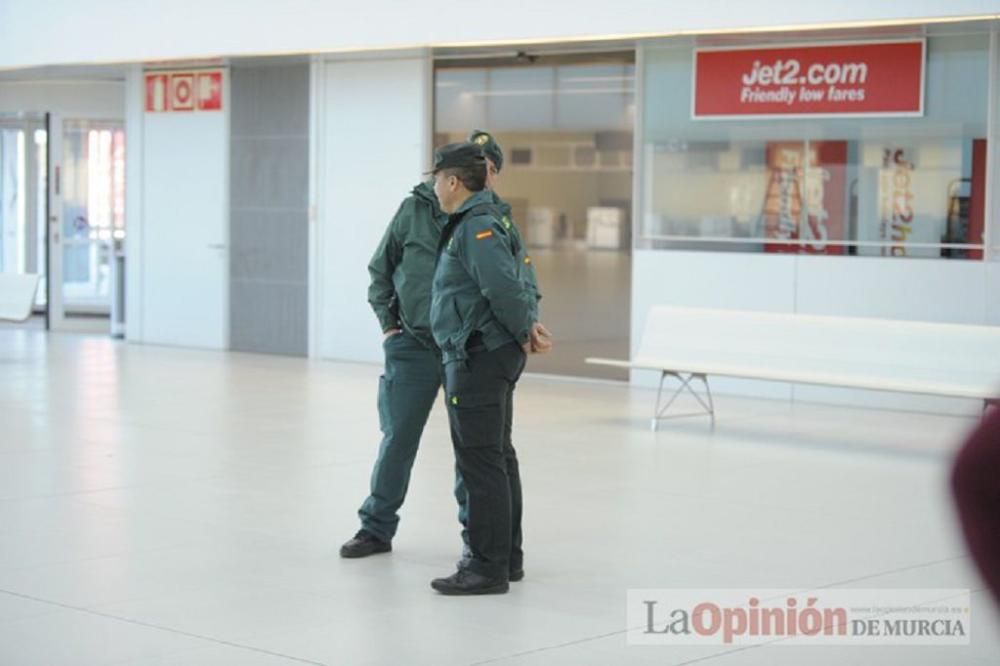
(391, 332)
(541, 339)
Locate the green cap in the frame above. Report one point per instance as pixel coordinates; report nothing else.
(489, 145)
(458, 155)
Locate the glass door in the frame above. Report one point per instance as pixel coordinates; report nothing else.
(87, 231)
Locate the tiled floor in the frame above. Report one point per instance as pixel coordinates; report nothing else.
(163, 506)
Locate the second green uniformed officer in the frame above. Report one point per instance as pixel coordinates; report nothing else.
(484, 313)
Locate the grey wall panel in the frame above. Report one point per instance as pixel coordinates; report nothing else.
(272, 245)
(270, 172)
(269, 234)
(269, 318)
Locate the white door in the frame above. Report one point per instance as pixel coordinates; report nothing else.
(185, 233)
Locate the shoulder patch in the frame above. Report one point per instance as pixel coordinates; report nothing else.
(506, 222)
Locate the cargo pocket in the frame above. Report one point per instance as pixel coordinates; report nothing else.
(479, 419)
(384, 403)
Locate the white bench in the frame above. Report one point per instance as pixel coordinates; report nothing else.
(954, 360)
(17, 295)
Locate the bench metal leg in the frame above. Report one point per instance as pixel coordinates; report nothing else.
(711, 403)
(659, 412)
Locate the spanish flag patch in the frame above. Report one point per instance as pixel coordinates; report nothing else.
(484, 234)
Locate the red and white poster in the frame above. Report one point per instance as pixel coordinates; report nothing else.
(156, 92)
(184, 91)
(857, 79)
(210, 91)
(805, 198)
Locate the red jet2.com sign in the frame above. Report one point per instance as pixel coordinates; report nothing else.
(857, 79)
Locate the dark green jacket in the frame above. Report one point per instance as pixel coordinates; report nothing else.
(517, 242)
(402, 267)
(481, 282)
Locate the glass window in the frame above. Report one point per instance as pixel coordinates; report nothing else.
(906, 186)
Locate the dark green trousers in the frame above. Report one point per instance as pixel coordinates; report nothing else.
(481, 410)
(406, 393)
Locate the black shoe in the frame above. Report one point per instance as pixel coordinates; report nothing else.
(364, 544)
(465, 582)
(515, 576)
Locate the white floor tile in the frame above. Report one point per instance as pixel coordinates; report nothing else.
(73, 638)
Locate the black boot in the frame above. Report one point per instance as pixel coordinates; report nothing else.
(465, 582)
(364, 544)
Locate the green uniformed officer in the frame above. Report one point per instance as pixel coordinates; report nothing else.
(494, 163)
(401, 270)
(484, 312)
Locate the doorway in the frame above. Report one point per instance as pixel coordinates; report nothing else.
(565, 125)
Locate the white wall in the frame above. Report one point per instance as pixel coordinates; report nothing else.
(373, 120)
(72, 99)
(69, 31)
(938, 290)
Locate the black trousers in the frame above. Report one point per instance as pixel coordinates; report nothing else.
(480, 394)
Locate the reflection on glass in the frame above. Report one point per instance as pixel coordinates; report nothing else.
(41, 223)
(93, 211)
(13, 201)
(917, 198)
(23, 198)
